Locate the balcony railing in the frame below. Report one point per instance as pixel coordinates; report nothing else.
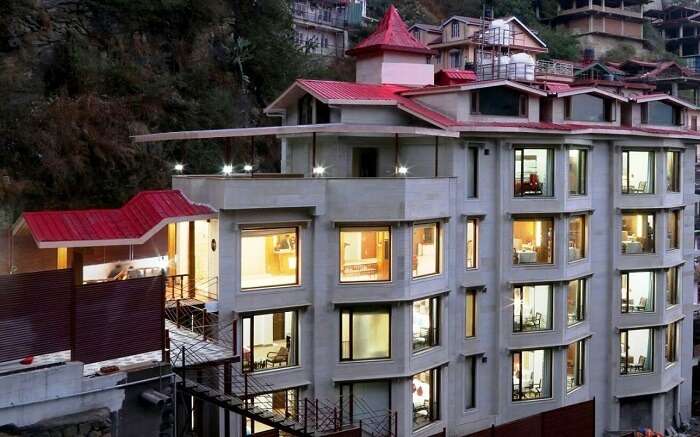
(523, 71)
(330, 16)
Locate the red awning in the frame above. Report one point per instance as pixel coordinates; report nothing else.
(132, 224)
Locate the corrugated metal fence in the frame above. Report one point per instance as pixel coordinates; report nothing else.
(43, 312)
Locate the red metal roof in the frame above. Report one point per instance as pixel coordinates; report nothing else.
(392, 35)
(556, 87)
(133, 223)
(454, 77)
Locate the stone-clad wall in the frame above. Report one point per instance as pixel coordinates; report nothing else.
(93, 423)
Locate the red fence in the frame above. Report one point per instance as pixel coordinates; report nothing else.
(576, 420)
(43, 312)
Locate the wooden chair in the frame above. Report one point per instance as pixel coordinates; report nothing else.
(276, 358)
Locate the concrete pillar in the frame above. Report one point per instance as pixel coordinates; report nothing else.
(674, 89)
(657, 412)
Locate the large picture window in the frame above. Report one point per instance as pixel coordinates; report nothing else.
(673, 171)
(588, 107)
(533, 241)
(534, 172)
(576, 302)
(270, 341)
(500, 101)
(577, 238)
(532, 308)
(661, 114)
(637, 291)
(365, 254)
(673, 225)
(637, 233)
(672, 286)
(532, 374)
(283, 402)
(269, 257)
(578, 164)
(637, 172)
(575, 364)
(472, 243)
(426, 323)
(426, 249)
(636, 351)
(365, 333)
(426, 397)
(671, 342)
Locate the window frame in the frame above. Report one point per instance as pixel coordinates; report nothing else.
(438, 249)
(523, 110)
(520, 397)
(471, 294)
(625, 366)
(673, 216)
(646, 214)
(454, 29)
(579, 366)
(581, 295)
(251, 337)
(351, 310)
(475, 222)
(671, 337)
(584, 231)
(582, 173)
(471, 372)
(550, 318)
(473, 179)
(435, 320)
(675, 290)
(550, 170)
(674, 186)
(652, 182)
(435, 394)
(340, 253)
(545, 218)
(624, 307)
(297, 254)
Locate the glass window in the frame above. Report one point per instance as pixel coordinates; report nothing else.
(533, 241)
(673, 171)
(671, 342)
(672, 286)
(365, 333)
(577, 238)
(661, 114)
(673, 221)
(589, 107)
(500, 100)
(532, 308)
(637, 233)
(575, 362)
(578, 162)
(534, 171)
(270, 341)
(532, 374)
(426, 397)
(470, 383)
(473, 172)
(367, 400)
(269, 257)
(637, 172)
(472, 243)
(470, 329)
(426, 249)
(365, 254)
(637, 292)
(576, 302)
(455, 30)
(636, 351)
(426, 323)
(283, 402)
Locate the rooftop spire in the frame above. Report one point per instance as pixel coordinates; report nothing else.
(391, 35)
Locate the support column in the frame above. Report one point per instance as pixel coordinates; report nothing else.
(674, 89)
(396, 154)
(190, 260)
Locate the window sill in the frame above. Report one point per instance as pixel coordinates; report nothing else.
(627, 375)
(389, 282)
(574, 390)
(538, 331)
(423, 277)
(368, 360)
(575, 324)
(638, 254)
(671, 364)
(576, 261)
(277, 369)
(531, 401)
(272, 288)
(534, 265)
(424, 351)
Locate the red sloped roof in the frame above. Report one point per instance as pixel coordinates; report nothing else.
(336, 90)
(391, 34)
(556, 87)
(133, 223)
(454, 76)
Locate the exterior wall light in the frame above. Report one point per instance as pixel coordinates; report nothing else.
(179, 167)
(402, 170)
(227, 169)
(247, 168)
(318, 170)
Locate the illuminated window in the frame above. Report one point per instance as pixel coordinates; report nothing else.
(470, 330)
(577, 238)
(426, 249)
(673, 172)
(533, 241)
(426, 397)
(637, 172)
(636, 351)
(578, 162)
(269, 257)
(270, 341)
(637, 233)
(472, 243)
(365, 333)
(534, 171)
(532, 374)
(671, 342)
(575, 363)
(637, 292)
(532, 308)
(576, 301)
(672, 286)
(365, 254)
(283, 402)
(673, 222)
(426, 323)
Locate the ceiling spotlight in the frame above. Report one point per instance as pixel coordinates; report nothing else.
(178, 167)
(402, 170)
(247, 168)
(318, 170)
(227, 169)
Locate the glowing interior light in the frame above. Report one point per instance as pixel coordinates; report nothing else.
(227, 169)
(178, 167)
(402, 170)
(247, 168)
(319, 170)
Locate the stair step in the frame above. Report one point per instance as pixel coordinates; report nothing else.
(255, 410)
(266, 414)
(235, 402)
(277, 418)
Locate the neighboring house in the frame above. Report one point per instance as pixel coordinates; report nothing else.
(602, 25)
(680, 28)
(321, 26)
(463, 254)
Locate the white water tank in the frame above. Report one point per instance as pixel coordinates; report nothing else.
(523, 67)
(503, 67)
(499, 32)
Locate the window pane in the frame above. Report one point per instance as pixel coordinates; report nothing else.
(532, 308)
(365, 254)
(574, 365)
(470, 330)
(672, 286)
(661, 113)
(426, 323)
(472, 243)
(282, 402)
(672, 230)
(637, 233)
(269, 257)
(426, 249)
(272, 342)
(577, 238)
(671, 343)
(532, 373)
(577, 172)
(636, 351)
(673, 179)
(366, 398)
(470, 382)
(587, 107)
(533, 241)
(499, 101)
(426, 394)
(533, 172)
(637, 292)
(368, 336)
(473, 172)
(575, 301)
(637, 172)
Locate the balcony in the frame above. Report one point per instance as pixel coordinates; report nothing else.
(523, 71)
(329, 16)
(633, 11)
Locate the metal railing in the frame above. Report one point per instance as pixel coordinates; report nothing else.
(180, 286)
(554, 68)
(523, 71)
(330, 15)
